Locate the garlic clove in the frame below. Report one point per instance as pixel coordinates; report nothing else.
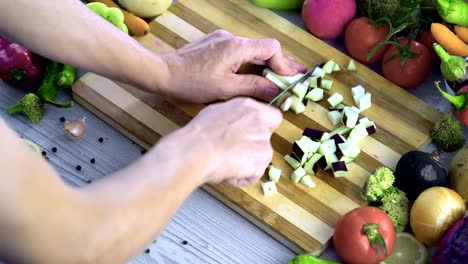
(75, 128)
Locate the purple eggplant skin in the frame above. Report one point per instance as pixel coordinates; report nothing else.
(20, 67)
(453, 249)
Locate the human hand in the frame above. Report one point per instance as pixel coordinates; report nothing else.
(230, 140)
(205, 70)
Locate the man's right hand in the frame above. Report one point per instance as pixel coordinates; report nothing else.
(230, 139)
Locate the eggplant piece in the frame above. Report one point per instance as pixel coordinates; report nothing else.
(297, 174)
(294, 163)
(349, 149)
(335, 99)
(311, 165)
(307, 181)
(327, 147)
(325, 163)
(315, 94)
(338, 139)
(342, 130)
(417, 171)
(339, 169)
(357, 133)
(269, 188)
(313, 134)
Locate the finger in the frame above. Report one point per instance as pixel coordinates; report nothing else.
(247, 181)
(251, 85)
(231, 182)
(266, 50)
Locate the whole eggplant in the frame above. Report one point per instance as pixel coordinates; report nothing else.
(453, 249)
(20, 67)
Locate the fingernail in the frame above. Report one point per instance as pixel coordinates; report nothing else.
(270, 93)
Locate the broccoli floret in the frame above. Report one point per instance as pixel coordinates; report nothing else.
(448, 134)
(31, 105)
(378, 8)
(377, 184)
(309, 259)
(396, 206)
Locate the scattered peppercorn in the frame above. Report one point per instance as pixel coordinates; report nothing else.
(54, 149)
(93, 160)
(143, 151)
(101, 139)
(89, 181)
(47, 158)
(62, 119)
(78, 167)
(147, 251)
(184, 242)
(44, 153)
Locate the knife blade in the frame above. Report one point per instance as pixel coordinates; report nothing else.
(303, 78)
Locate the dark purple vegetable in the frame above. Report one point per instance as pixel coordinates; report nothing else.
(417, 171)
(453, 249)
(298, 151)
(313, 134)
(338, 139)
(20, 67)
(371, 129)
(339, 169)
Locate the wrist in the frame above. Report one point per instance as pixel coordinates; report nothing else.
(157, 76)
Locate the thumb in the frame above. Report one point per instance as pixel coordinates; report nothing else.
(253, 86)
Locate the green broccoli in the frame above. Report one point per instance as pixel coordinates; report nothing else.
(31, 105)
(378, 8)
(396, 205)
(377, 184)
(448, 134)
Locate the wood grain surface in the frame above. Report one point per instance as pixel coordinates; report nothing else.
(302, 218)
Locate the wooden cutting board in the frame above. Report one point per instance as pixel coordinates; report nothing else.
(300, 217)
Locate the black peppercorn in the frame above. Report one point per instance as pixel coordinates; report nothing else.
(54, 149)
(93, 160)
(44, 153)
(78, 168)
(101, 139)
(184, 242)
(62, 119)
(147, 251)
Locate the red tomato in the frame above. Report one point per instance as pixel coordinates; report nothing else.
(415, 70)
(352, 244)
(428, 40)
(361, 37)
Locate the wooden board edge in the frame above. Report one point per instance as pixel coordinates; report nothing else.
(270, 231)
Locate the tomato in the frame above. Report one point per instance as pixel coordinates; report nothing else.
(426, 38)
(416, 68)
(353, 244)
(361, 37)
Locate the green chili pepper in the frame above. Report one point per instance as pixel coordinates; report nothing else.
(67, 76)
(48, 90)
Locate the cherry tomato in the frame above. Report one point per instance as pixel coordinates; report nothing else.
(416, 67)
(352, 239)
(361, 37)
(426, 38)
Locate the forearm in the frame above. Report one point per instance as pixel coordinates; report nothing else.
(108, 221)
(67, 31)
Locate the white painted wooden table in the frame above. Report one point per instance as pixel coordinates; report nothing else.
(204, 230)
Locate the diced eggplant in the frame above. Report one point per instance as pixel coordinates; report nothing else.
(283, 78)
(306, 82)
(300, 90)
(351, 66)
(294, 163)
(365, 121)
(296, 105)
(371, 129)
(315, 81)
(307, 181)
(339, 169)
(338, 139)
(310, 166)
(330, 158)
(312, 146)
(327, 147)
(326, 136)
(357, 133)
(355, 109)
(286, 104)
(349, 117)
(335, 99)
(342, 130)
(338, 153)
(269, 188)
(337, 68)
(347, 159)
(364, 102)
(338, 107)
(274, 173)
(313, 133)
(326, 84)
(304, 146)
(297, 174)
(328, 67)
(358, 90)
(349, 149)
(318, 72)
(275, 80)
(334, 117)
(316, 94)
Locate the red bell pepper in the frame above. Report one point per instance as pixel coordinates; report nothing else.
(459, 103)
(20, 67)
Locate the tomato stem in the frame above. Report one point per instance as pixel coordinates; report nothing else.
(375, 238)
(459, 102)
(392, 32)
